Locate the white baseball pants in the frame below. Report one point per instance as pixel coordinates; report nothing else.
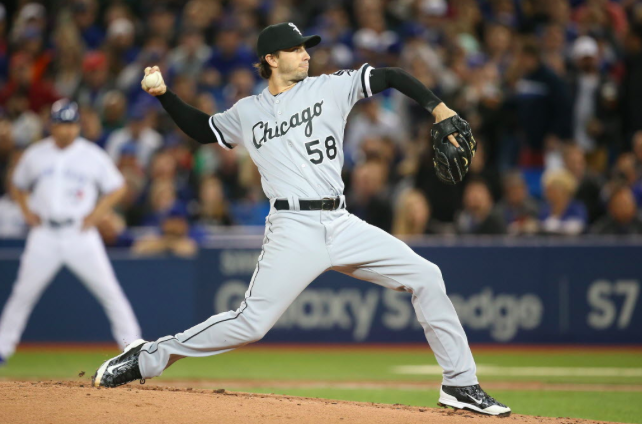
(83, 252)
(299, 246)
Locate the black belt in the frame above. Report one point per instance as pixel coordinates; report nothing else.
(325, 204)
(60, 224)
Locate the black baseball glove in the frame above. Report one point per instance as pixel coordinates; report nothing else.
(451, 163)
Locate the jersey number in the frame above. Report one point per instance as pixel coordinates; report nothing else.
(330, 150)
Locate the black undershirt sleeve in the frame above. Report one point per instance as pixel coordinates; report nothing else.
(191, 121)
(383, 78)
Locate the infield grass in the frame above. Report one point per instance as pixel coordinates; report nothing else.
(617, 398)
(589, 405)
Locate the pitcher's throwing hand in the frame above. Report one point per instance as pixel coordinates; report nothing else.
(153, 82)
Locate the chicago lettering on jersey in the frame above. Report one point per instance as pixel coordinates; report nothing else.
(262, 131)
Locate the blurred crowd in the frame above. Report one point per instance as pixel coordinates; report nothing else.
(551, 88)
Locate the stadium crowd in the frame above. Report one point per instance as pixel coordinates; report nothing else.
(551, 88)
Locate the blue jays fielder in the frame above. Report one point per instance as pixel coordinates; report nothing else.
(64, 184)
(294, 132)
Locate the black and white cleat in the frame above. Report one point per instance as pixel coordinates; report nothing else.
(472, 398)
(121, 369)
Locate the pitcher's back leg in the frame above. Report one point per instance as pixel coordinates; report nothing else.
(293, 255)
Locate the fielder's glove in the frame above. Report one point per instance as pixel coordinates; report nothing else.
(451, 163)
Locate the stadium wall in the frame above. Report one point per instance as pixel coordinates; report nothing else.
(533, 291)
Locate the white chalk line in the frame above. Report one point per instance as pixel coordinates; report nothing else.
(495, 370)
(240, 385)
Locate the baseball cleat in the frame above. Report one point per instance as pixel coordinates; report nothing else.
(472, 398)
(121, 369)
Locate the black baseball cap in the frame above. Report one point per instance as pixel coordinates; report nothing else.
(283, 36)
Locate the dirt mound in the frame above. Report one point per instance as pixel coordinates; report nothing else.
(71, 402)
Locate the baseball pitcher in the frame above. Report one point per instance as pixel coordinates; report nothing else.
(294, 132)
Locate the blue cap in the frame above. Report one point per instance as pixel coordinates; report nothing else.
(65, 111)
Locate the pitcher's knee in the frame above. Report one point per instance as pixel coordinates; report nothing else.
(432, 271)
(429, 277)
(428, 271)
(254, 333)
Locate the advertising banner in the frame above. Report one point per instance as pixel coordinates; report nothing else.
(517, 293)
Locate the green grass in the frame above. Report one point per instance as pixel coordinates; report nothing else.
(589, 405)
(376, 366)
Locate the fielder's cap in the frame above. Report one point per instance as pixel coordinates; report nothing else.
(283, 36)
(64, 111)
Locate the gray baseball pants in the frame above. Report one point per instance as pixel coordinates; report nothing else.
(298, 247)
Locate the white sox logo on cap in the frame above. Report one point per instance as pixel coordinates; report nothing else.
(295, 28)
(283, 36)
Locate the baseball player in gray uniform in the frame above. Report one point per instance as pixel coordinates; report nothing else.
(294, 132)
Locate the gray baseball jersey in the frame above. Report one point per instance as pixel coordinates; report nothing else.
(296, 138)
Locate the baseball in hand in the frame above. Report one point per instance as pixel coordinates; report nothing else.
(153, 80)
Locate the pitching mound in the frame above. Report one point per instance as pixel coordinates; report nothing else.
(70, 402)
